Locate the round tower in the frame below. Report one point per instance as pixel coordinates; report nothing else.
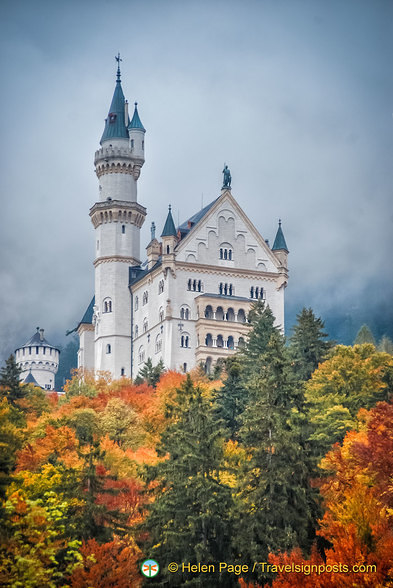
(117, 219)
(38, 360)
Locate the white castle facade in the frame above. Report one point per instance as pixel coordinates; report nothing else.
(188, 303)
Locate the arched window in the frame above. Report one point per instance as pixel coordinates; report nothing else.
(136, 331)
(158, 345)
(208, 312)
(141, 354)
(189, 284)
(252, 292)
(230, 343)
(209, 340)
(208, 365)
(107, 304)
(225, 289)
(168, 249)
(123, 229)
(199, 286)
(240, 343)
(256, 292)
(194, 285)
(230, 314)
(145, 325)
(161, 286)
(184, 341)
(221, 253)
(220, 313)
(161, 314)
(220, 341)
(122, 372)
(220, 288)
(184, 313)
(145, 297)
(136, 303)
(230, 290)
(241, 316)
(108, 348)
(230, 254)
(225, 253)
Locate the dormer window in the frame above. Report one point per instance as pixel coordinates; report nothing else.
(112, 117)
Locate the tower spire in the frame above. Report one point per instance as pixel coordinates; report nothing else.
(118, 59)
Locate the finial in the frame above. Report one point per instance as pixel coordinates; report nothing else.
(279, 222)
(118, 59)
(153, 230)
(170, 208)
(135, 104)
(38, 328)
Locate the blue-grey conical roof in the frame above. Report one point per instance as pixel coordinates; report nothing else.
(115, 126)
(279, 241)
(169, 227)
(136, 122)
(30, 379)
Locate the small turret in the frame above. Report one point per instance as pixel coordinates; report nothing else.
(280, 248)
(153, 249)
(136, 132)
(169, 241)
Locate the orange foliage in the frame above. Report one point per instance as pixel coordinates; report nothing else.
(110, 565)
(358, 510)
(60, 443)
(125, 496)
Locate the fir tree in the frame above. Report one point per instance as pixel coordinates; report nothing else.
(386, 345)
(364, 336)
(276, 504)
(10, 384)
(149, 373)
(231, 399)
(307, 344)
(189, 519)
(261, 320)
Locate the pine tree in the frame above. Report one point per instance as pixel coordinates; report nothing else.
(149, 373)
(10, 384)
(189, 519)
(364, 336)
(232, 398)
(386, 345)
(307, 344)
(261, 320)
(276, 504)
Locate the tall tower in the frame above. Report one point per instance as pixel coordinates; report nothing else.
(117, 218)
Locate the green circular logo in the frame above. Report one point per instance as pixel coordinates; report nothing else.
(150, 568)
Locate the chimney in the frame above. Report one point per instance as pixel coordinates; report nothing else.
(41, 334)
(126, 113)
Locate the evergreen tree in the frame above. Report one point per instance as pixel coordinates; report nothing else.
(149, 373)
(261, 320)
(307, 344)
(364, 336)
(276, 504)
(386, 345)
(10, 384)
(189, 519)
(231, 399)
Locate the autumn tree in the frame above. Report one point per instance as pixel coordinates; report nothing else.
(350, 379)
(190, 517)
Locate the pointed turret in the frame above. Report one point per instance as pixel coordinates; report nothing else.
(280, 247)
(115, 124)
(279, 241)
(136, 122)
(169, 227)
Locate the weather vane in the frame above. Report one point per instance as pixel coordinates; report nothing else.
(118, 59)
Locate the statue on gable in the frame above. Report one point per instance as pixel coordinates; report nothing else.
(227, 178)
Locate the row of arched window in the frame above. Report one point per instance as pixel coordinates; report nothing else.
(226, 289)
(257, 292)
(219, 341)
(225, 253)
(195, 285)
(37, 350)
(31, 363)
(229, 315)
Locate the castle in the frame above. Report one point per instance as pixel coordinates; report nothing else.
(188, 303)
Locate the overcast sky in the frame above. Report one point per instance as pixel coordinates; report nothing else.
(294, 95)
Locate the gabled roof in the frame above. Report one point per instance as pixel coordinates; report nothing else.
(115, 126)
(88, 316)
(136, 122)
(279, 241)
(169, 227)
(189, 224)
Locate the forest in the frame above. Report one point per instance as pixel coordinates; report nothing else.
(279, 467)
